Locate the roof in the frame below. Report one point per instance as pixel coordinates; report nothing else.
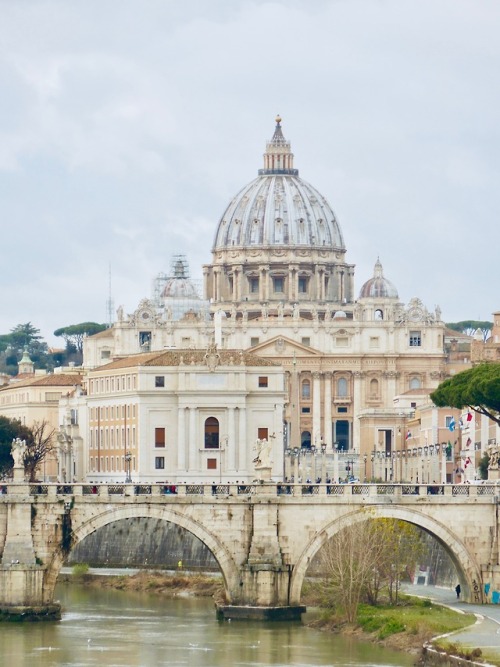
(50, 380)
(187, 357)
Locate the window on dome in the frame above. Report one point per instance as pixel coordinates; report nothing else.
(379, 314)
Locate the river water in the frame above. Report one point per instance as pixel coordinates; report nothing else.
(108, 628)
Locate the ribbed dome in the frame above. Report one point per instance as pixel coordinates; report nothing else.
(378, 286)
(278, 208)
(179, 285)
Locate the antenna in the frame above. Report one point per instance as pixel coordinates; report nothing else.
(110, 304)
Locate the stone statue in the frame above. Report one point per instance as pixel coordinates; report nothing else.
(263, 458)
(295, 311)
(281, 310)
(493, 464)
(18, 451)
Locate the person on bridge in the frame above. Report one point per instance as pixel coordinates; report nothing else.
(457, 591)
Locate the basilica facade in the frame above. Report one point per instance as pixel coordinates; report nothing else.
(355, 364)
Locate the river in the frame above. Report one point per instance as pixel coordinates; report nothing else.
(109, 628)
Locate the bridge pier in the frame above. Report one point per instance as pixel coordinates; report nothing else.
(264, 579)
(21, 578)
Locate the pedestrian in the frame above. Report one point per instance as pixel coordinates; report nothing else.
(457, 591)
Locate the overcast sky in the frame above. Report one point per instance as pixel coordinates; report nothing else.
(127, 125)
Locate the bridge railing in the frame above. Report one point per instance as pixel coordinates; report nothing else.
(332, 491)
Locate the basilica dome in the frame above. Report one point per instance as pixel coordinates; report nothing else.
(278, 208)
(378, 287)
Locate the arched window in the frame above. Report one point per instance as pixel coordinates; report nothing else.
(415, 383)
(305, 439)
(379, 314)
(212, 433)
(373, 388)
(306, 389)
(342, 387)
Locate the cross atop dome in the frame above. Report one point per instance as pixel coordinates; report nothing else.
(278, 158)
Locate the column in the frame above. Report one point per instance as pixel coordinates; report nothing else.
(231, 442)
(181, 439)
(192, 441)
(327, 428)
(316, 406)
(294, 436)
(242, 464)
(357, 393)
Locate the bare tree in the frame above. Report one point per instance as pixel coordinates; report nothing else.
(349, 561)
(365, 557)
(39, 444)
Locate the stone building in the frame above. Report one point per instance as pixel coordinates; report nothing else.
(184, 415)
(279, 284)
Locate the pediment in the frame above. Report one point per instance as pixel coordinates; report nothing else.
(281, 346)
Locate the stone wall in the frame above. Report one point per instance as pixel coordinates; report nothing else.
(143, 542)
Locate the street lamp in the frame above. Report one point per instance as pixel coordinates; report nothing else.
(128, 458)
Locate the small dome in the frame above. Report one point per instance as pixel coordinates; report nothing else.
(339, 314)
(179, 295)
(378, 287)
(179, 285)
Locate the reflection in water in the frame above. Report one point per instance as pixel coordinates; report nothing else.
(111, 628)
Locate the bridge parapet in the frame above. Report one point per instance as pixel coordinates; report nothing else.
(278, 489)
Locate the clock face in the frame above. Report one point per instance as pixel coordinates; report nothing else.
(145, 315)
(415, 314)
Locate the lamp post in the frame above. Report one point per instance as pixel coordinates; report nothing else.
(336, 462)
(128, 458)
(323, 462)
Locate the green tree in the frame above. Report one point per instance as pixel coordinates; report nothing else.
(469, 327)
(13, 344)
(75, 333)
(9, 430)
(483, 465)
(477, 388)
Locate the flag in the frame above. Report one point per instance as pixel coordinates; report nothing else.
(469, 416)
(468, 443)
(451, 425)
(408, 435)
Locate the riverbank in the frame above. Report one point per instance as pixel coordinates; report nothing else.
(407, 627)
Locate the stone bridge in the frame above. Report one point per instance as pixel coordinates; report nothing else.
(264, 535)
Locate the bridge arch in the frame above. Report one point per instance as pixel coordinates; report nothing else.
(469, 572)
(80, 531)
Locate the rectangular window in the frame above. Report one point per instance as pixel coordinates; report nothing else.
(279, 284)
(306, 411)
(211, 464)
(105, 354)
(159, 437)
(263, 433)
(302, 285)
(415, 339)
(159, 381)
(254, 285)
(374, 341)
(306, 341)
(254, 341)
(263, 381)
(159, 462)
(342, 409)
(342, 341)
